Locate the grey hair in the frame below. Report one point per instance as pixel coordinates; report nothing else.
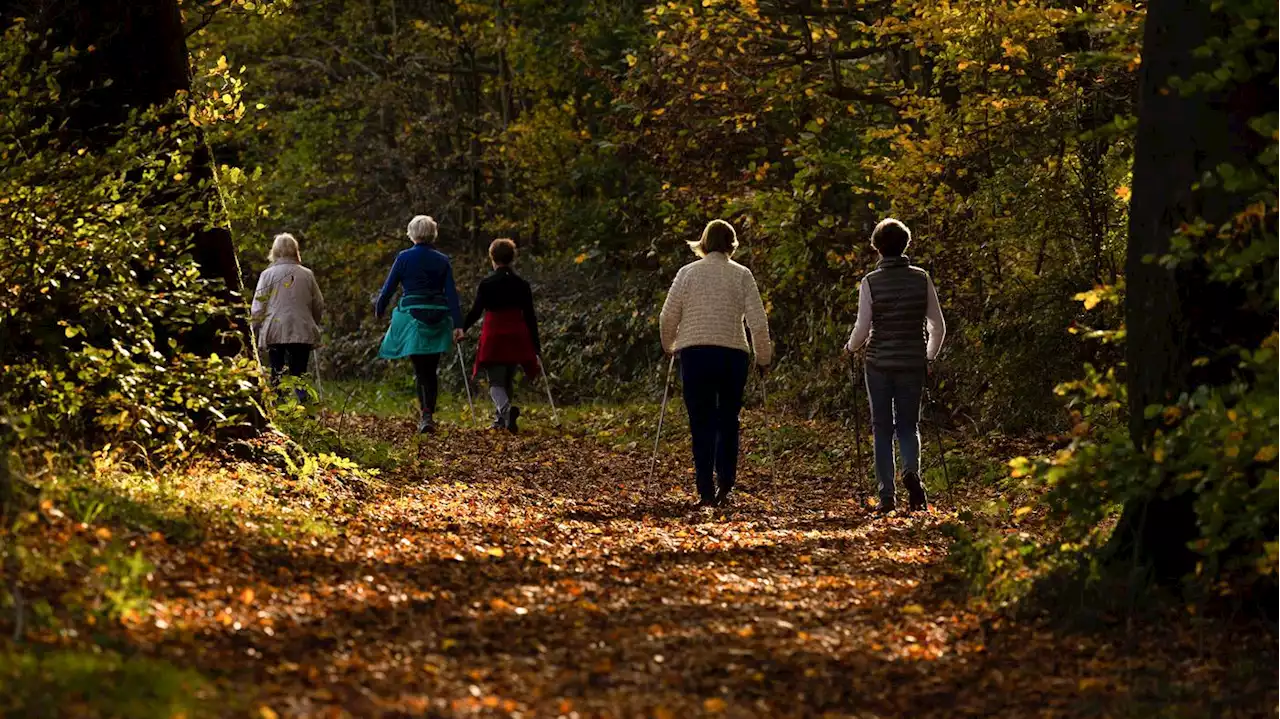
(285, 246)
(422, 229)
(700, 246)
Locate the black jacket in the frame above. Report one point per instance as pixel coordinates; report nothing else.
(504, 289)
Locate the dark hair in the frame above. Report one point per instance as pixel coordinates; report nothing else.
(502, 251)
(718, 236)
(890, 238)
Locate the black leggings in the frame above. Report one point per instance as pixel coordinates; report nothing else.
(424, 376)
(293, 355)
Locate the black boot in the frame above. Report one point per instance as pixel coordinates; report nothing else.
(426, 425)
(513, 414)
(722, 496)
(886, 506)
(705, 502)
(915, 491)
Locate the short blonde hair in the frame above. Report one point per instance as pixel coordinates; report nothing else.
(422, 229)
(717, 236)
(285, 247)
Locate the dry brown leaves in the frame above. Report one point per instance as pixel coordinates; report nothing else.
(547, 575)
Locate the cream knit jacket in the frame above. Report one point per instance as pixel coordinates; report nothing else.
(707, 304)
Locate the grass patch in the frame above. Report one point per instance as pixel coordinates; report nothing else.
(97, 683)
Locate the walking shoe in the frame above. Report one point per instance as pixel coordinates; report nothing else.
(705, 502)
(723, 498)
(427, 424)
(885, 507)
(915, 492)
(513, 414)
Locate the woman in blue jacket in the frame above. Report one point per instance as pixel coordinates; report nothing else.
(428, 318)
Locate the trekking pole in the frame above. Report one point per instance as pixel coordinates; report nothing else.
(666, 392)
(462, 365)
(546, 381)
(937, 434)
(319, 380)
(764, 409)
(857, 415)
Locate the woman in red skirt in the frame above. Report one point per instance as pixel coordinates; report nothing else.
(509, 335)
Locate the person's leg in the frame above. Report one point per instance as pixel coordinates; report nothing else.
(513, 412)
(697, 376)
(880, 396)
(732, 383)
(499, 380)
(299, 358)
(908, 388)
(426, 383)
(277, 358)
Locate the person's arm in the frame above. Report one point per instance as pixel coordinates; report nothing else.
(862, 326)
(672, 309)
(451, 294)
(389, 287)
(477, 307)
(258, 312)
(934, 323)
(531, 319)
(758, 323)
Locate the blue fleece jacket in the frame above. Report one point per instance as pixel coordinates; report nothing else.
(424, 271)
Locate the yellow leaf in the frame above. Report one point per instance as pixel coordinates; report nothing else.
(1021, 512)
(495, 552)
(913, 609)
(266, 712)
(1266, 454)
(1124, 193)
(580, 258)
(714, 705)
(246, 596)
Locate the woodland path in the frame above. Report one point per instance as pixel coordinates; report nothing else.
(543, 575)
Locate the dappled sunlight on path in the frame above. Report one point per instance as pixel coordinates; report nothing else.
(546, 574)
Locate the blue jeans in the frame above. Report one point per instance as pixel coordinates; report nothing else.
(895, 410)
(714, 379)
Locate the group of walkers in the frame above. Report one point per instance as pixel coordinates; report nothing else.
(712, 304)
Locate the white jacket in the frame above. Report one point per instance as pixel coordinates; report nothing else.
(707, 304)
(287, 305)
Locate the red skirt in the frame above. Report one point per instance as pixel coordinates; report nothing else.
(505, 339)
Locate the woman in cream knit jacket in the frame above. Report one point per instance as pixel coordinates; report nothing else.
(702, 319)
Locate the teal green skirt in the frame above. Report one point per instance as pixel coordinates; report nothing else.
(409, 335)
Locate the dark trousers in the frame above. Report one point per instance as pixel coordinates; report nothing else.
(292, 356)
(895, 410)
(425, 381)
(714, 379)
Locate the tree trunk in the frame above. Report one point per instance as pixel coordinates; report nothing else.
(1175, 315)
(139, 59)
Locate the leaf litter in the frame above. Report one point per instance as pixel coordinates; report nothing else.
(547, 574)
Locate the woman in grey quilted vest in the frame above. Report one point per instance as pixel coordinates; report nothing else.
(287, 306)
(900, 322)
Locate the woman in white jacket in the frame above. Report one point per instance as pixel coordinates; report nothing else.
(702, 319)
(287, 306)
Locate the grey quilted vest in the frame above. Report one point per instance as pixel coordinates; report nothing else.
(899, 299)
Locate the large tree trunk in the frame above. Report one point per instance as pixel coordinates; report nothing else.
(1175, 315)
(139, 59)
